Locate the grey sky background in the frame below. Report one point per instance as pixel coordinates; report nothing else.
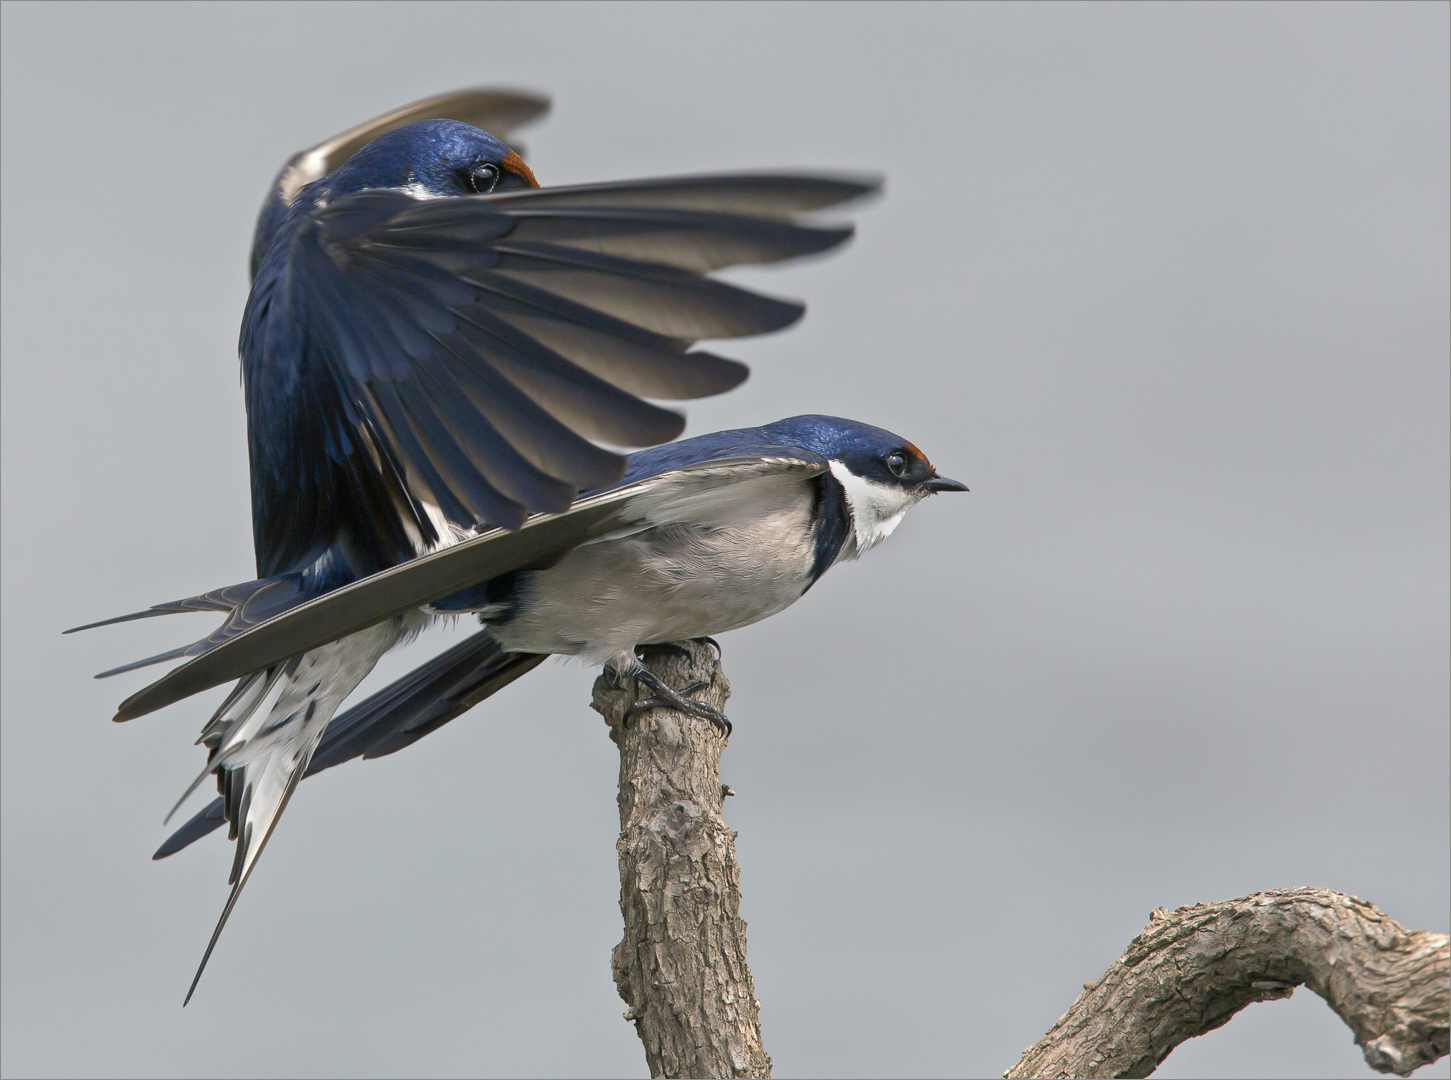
(1165, 285)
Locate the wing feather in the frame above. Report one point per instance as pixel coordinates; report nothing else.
(662, 299)
(752, 194)
(693, 241)
(465, 351)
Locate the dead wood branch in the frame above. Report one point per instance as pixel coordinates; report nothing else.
(1194, 968)
(681, 966)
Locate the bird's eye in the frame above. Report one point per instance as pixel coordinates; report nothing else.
(483, 178)
(897, 462)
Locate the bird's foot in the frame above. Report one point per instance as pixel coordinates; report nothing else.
(663, 697)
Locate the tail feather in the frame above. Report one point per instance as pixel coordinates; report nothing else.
(239, 880)
(255, 791)
(231, 719)
(239, 705)
(397, 716)
(187, 793)
(260, 753)
(211, 818)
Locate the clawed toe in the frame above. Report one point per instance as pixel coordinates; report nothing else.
(644, 705)
(664, 697)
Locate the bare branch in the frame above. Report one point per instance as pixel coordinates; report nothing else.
(1194, 968)
(681, 966)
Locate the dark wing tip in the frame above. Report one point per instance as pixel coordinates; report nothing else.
(776, 313)
(147, 614)
(872, 183)
(842, 188)
(170, 654)
(714, 374)
(141, 703)
(655, 427)
(128, 711)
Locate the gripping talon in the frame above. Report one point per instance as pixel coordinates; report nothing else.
(664, 697)
(645, 704)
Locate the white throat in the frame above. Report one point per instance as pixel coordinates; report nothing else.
(875, 508)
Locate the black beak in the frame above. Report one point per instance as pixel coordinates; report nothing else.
(941, 483)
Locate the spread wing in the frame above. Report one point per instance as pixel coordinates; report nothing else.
(499, 112)
(403, 354)
(543, 539)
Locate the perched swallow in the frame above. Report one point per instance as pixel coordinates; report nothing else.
(432, 350)
(700, 537)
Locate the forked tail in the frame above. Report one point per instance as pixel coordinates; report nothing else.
(400, 714)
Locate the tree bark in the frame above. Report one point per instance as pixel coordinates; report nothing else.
(681, 965)
(1194, 968)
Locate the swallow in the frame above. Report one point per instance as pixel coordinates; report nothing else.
(434, 349)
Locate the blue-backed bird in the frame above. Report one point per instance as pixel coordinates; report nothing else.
(432, 348)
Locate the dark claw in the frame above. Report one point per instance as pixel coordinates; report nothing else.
(714, 644)
(648, 703)
(663, 697)
(645, 704)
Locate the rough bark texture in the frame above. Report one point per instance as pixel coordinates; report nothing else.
(681, 966)
(1194, 968)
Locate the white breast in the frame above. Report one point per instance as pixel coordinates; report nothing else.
(700, 567)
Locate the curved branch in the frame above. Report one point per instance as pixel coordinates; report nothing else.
(1194, 968)
(681, 966)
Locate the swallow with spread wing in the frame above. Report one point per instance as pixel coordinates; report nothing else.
(433, 347)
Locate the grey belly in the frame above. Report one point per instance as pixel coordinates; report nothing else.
(665, 583)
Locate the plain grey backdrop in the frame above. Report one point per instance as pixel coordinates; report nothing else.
(1165, 285)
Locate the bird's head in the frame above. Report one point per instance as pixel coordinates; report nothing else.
(882, 475)
(434, 159)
